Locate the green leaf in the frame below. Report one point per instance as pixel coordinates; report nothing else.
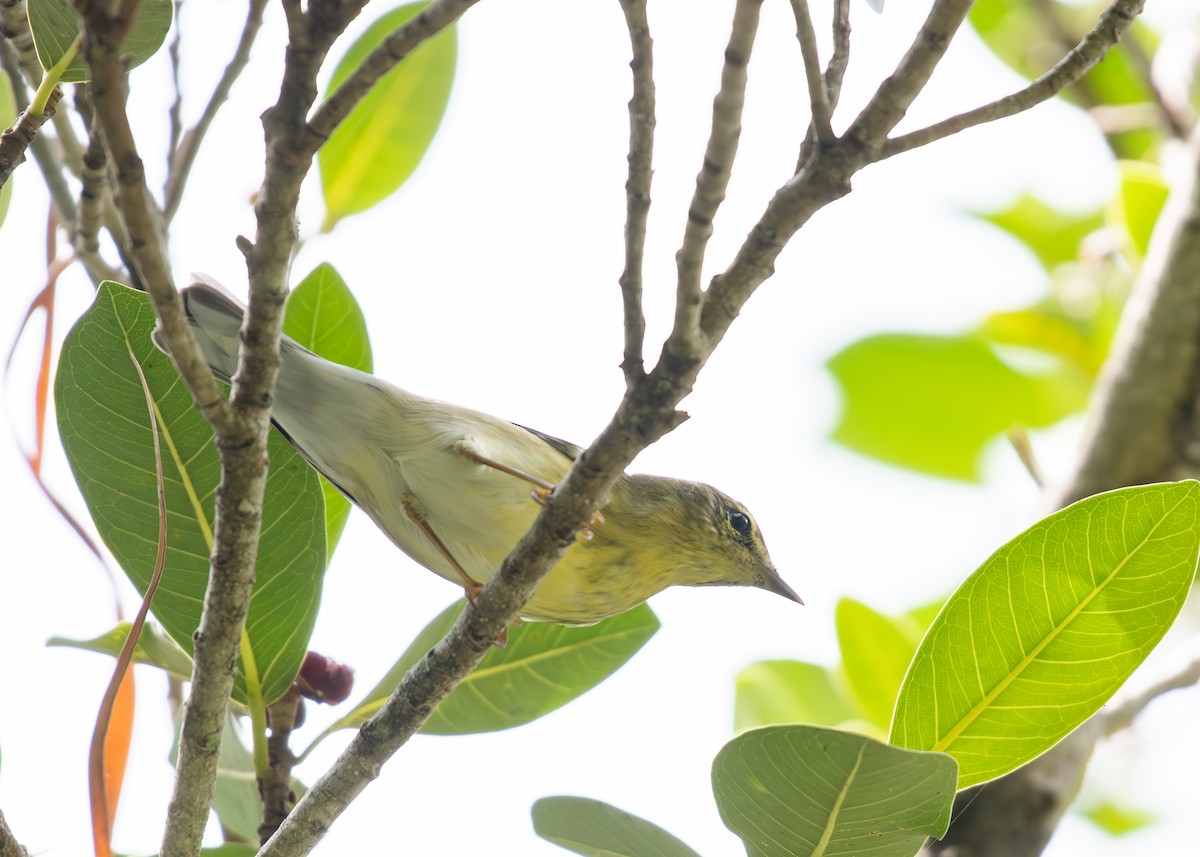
(932, 403)
(1031, 36)
(1117, 820)
(875, 657)
(153, 648)
(1051, 235)
(597, 829)
(543, 667)
(323, 316)
(793, 791)
(791, 692)
(105, 430)
(1133, 212)
(382, 141)
(8, 118)
(55, 28)
(1045, 631)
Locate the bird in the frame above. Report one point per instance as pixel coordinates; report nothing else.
(451, 486)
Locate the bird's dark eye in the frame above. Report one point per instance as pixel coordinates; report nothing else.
(740, 522)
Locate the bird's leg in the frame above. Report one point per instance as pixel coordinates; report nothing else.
(413, 509)
(467, 450)
(542, 489)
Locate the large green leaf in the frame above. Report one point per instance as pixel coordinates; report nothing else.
(932, 403)
(1045, 631)
(323, 316)
(105, 430)
(597, 829)
(543, 667)
(771, 692)
(793, 791)
(379, 145)
(55, 28)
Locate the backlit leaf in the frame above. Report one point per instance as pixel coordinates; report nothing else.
(379, 145)
(932, 403)
(55, 28)
(1049, 627)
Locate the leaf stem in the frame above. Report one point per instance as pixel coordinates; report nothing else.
(50, 79)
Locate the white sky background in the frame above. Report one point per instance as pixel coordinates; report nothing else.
(490, 280)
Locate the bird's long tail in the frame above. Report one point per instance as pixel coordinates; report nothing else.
(215, 316)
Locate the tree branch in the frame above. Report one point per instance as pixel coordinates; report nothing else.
(14, 141)
(9, 846)
(1123, 714)
(1115, 20)
(637, 186)
(185, 155)
(431, 20)
(817, 96)
(1141, 432)
(896, 94)
(713, 179)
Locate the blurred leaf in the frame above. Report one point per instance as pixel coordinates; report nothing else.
(153, 648)
(543, 667)
(1049, 627)
(1051, 235)
(55, 28)
(323, 316)
(105, 431)
(8, 118)
(379, 145)
(1141, 194)
(1030, 36)
(770, 692)
(597, 829)
(875, 657)
(1117, 820)
(932, 403)
(792, 791)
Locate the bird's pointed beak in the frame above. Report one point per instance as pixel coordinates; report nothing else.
(772, 582)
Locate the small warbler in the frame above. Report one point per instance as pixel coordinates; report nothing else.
(451, 486)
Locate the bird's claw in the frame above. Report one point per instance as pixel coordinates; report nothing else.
(586, 530)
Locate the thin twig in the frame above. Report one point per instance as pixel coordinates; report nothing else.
(835, 72)
(896, 94)
(174, 113)
(432, 19)
(1119, 716)
(817, 96)
(713, 179)
(1115, 20)
(637, 186)
(14, 141)
(1176, 124)
(185, 154)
